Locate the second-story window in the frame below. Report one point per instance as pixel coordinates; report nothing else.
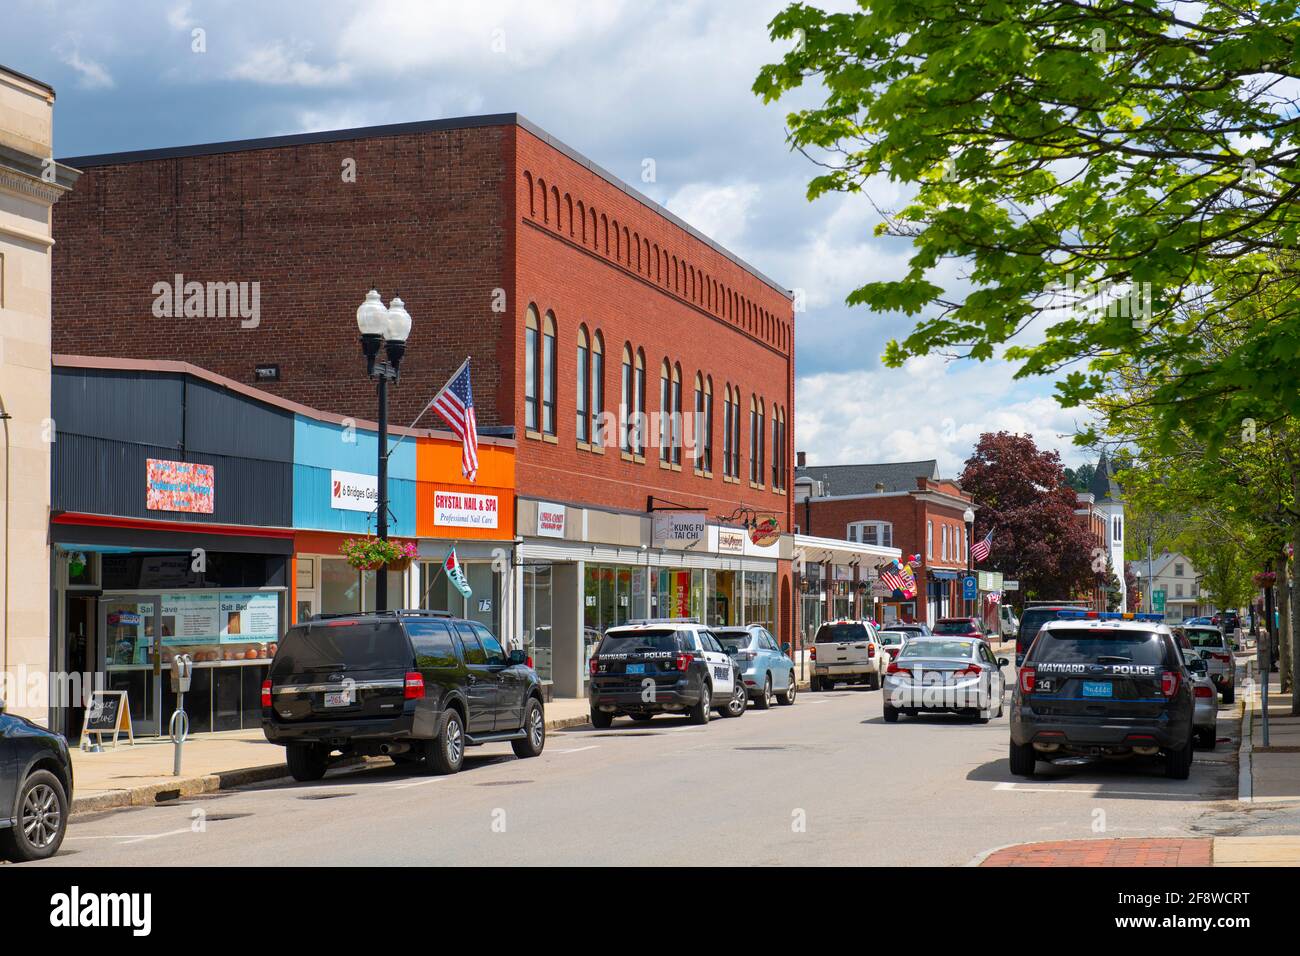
(638, 397)
(735, 433)
(582, 423)
(703, 424)
(532, 409)
(548, 375)
(677, 415)
(929, 539)
(597, 389)
(726, 432)
(665, 413)
(753, 439)
(625, 438)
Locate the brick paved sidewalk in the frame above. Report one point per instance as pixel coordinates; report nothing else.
(1196, 851)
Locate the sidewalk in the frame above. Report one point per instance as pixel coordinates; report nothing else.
(140, 775)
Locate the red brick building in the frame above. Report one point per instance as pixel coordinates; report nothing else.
(1095, 521)
(583, 305)
(905, 505)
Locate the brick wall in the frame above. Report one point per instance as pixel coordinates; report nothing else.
(592, 254)
(426, 217)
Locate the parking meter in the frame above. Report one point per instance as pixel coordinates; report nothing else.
(182, 669)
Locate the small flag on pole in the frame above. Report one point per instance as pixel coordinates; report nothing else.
(982, 549)
(455, 403)
(456, 574)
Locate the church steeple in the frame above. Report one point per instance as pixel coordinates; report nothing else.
(1103, 486)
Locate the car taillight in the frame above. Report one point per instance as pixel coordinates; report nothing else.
(528, 661)
(894, 668)
(871, 650)
(1225, 658)
(746, 656)
(683, 661)
(593, 666)
(266, 693)
(1204, 692)
(1169, 683)
(414, 685)
(812, 652)
(1028, 677)
(972, 671)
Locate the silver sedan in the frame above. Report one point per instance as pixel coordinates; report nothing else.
(945, 674)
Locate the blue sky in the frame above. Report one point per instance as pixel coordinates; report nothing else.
(621, 82)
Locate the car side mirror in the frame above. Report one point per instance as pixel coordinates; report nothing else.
(1197, 667)
(1003, 662)
(785, 647)
(517, 656)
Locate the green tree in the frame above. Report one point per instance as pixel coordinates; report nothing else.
(1119, 170)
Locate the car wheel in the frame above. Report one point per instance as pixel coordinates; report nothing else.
(1023, 759)
(42, 820)
(736, 703)
(1228, 693)
(1178, 763)
(786, 697)
(600, 719)
(447, 751)
(764, 700)
(1207, 737)
(306, 761)
(699, 714)
(873, 682)
(891, 714)
(534, 739)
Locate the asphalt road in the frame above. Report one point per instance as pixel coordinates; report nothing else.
(823, 782)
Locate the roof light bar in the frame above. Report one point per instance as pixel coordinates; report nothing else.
(1073, 615)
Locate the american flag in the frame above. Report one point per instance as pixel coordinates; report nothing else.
(982, 549)
(455, 403)
(891, 578)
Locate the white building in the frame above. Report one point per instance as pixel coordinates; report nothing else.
(1174, 574)
(1108, 500)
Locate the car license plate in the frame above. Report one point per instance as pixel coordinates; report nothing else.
(636, 668)
(339, 698)
(1096, 688)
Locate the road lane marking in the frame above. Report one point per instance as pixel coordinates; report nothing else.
(155, 836)
(577, 750)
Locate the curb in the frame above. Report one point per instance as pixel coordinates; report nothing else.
(156, 793)
(979, 858)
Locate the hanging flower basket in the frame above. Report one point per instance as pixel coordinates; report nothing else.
(1265, 579)
(371, 554)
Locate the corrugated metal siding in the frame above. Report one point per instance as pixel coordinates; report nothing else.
(311, 505)
(322, 445)
(319, 447)
(109, 422)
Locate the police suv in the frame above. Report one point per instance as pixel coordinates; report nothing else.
(663, 665)
(1107, 685)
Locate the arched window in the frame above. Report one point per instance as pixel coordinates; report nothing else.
(532, 402)
(555, 198)
(677, 415)
(548, 374)
(625, 434)
(568, 203)
(532, 197)
(753, 440)
(638, 396)
(597, 377)
(703, 425)
(665, 412)
(582, 216)
(726, 432)
(779, 453)
(582, 416)
(546, 211)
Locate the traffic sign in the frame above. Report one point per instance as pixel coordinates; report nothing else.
(1158, 600)
(970, 588)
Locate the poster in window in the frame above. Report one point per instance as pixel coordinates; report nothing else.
(249, 618)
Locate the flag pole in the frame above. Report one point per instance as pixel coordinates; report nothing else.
(426, 408)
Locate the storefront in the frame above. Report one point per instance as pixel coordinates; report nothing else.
(585, 570)
(838, 580)
(183, 545)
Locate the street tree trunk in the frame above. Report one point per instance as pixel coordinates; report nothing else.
(1284, 628)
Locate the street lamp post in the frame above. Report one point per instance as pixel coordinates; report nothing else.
(969, 518)
(390, 326)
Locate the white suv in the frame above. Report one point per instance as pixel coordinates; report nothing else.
(848, 652)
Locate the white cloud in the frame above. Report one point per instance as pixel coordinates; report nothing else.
(937, 410)
(90, 74)
(285, 64)
(720, 212)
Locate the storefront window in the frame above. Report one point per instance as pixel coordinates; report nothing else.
(485, 605)
(760, 599)
(721, 592)
(537, 617)
(396, 594)
(340, 587)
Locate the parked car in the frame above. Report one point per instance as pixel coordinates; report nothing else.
(663, 665)
(1107, 685)
(1215, 649)
(35, 789)
(1008, 622)
(765, 667)
(969, 679)
(417, 686)
(893, 641)
(1199, 620)
(911, 627)
(958, 627)
(1033, 617)
(849, 652)
(1205, 715)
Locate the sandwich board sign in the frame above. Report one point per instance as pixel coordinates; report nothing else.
(107, 712)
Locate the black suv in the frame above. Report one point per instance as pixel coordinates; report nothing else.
(35, 789)
(418, 686)
(1101, 687)
(1034, 617)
